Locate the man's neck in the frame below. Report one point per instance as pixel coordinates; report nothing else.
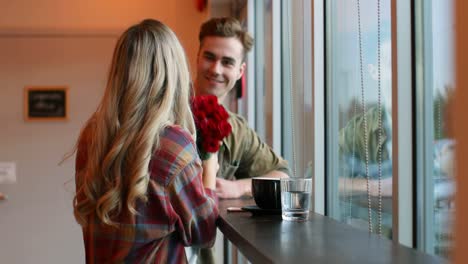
(220, 99)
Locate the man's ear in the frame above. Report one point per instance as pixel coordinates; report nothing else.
(241, 70)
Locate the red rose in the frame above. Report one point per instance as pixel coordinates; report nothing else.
(212, 123)
(220, 115)
(202, 126)
(199, 115)
(211, 145)
(225, 129)
(212, 131)
(224, 114)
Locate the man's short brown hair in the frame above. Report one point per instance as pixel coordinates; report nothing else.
(226, 27)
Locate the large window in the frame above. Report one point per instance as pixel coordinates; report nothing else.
(264, 69)
(435, 142)
(359, 114)
(362, 101)
(297, 110)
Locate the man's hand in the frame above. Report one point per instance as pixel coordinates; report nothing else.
(359, 186)
(226, 189)
(385, 187)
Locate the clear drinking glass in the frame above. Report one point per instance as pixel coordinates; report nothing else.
(295, 198)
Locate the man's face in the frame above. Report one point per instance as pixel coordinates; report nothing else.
(219, 65)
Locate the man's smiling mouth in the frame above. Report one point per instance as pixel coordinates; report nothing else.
(214, 80)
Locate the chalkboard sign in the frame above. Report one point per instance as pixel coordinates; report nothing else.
(46, 103)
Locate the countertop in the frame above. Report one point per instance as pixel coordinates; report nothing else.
(269, 239)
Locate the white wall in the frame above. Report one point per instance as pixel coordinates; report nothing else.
(52, 42)
(86, 14)
(36, 223)
(104, 15)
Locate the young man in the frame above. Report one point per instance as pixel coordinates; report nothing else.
(220, 63)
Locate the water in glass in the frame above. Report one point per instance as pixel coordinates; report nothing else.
(295, 205)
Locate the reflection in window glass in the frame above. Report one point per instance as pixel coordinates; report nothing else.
(264, 69)
(298, 145)
(359, 117)
(441, 71)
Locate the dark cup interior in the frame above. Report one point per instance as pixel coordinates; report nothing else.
(267, 192)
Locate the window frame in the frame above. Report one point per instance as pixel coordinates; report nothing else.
(402, 133)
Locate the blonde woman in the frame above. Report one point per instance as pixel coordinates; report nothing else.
(142, 193)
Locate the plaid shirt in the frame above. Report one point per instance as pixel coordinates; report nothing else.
(179, 211)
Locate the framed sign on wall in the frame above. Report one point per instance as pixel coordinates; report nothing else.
(45, 103)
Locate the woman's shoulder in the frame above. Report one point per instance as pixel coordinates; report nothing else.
(177, 134)
(175, 152)
(178, 144)
(176, 139)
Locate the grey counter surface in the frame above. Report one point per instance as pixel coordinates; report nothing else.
(268, 239)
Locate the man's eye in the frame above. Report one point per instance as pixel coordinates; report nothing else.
(209, 57)
(228, 62)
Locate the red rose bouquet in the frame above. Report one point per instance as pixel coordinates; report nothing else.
(211, 120)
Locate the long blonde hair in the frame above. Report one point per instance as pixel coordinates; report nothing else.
(148, 88)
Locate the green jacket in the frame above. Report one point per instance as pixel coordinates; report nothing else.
(351, 137)
(245, 155)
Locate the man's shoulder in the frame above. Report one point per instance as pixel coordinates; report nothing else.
(238, 122)
(241, 131)
(371, 117)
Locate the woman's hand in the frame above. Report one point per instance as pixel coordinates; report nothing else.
(210, 168)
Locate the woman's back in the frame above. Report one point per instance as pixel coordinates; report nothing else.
(142, 193)
(179, 211)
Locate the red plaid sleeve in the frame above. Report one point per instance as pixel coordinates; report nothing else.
(194, 206)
